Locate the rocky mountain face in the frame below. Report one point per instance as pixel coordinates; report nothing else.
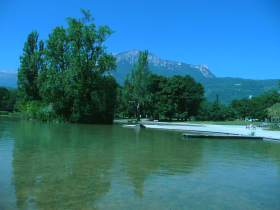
(155, 63)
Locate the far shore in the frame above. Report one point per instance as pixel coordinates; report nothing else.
(218, 129)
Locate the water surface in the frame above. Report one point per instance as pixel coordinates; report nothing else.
(77, 166)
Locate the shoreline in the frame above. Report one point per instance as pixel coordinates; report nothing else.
(215, 129)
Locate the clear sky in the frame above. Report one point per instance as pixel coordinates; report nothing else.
(235, 38)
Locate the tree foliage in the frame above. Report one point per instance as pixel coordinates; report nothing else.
(180, 97)
(8, 99)
(175, 96)
(274, 110)
(216, 111)
(71, 73)
(31, 64)
(256, 108)
(136, 85)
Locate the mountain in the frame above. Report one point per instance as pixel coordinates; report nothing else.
(226, 87)
(165, 68)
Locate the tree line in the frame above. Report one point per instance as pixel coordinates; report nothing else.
(144, 93)
(8, 99)
(264, 106)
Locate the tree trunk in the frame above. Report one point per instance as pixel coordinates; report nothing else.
(138, 112)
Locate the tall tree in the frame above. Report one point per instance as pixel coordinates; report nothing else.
(78, 70)
(274, 110)
(129, 108)
(136, 86)
(180, 96)
(155, 88)
(31, 63)
(4, 98)
(204, 111)
(193, 94)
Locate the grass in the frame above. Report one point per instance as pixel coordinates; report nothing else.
(4, 112)
(14, 114)
(274, 128)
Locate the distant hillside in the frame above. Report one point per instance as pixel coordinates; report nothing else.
(227, 88)
(235, 88)
(8, 79)
(165, 68)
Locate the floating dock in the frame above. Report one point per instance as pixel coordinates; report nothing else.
(220, 136)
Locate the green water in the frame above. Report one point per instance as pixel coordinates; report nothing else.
(74, 166)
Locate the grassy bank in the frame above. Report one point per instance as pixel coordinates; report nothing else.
(14, 114)
(4, 112)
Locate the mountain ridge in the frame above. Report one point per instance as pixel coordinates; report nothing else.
(132, 57)
(228, 88)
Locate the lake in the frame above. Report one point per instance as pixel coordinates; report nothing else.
(78, 166)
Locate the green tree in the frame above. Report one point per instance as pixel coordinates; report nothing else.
(167, 100)
(180, 96)
(204, 111)
(155, 88)
(136, 86)
(216, 111)
(78, 70)
(129, 108)
(120, 104)
(194, 93)
(274, 110)
(256, 108)
(31, 63)
(14, 100)
(4, 98)
(241, 107)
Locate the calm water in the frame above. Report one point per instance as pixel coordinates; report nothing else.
(74, 166)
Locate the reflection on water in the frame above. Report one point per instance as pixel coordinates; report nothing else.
(74, 166)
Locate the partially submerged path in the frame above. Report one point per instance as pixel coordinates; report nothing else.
(217, 129)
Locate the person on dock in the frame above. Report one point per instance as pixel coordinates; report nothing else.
(251, 126)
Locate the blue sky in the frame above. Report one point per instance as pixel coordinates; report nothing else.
(234, 38)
